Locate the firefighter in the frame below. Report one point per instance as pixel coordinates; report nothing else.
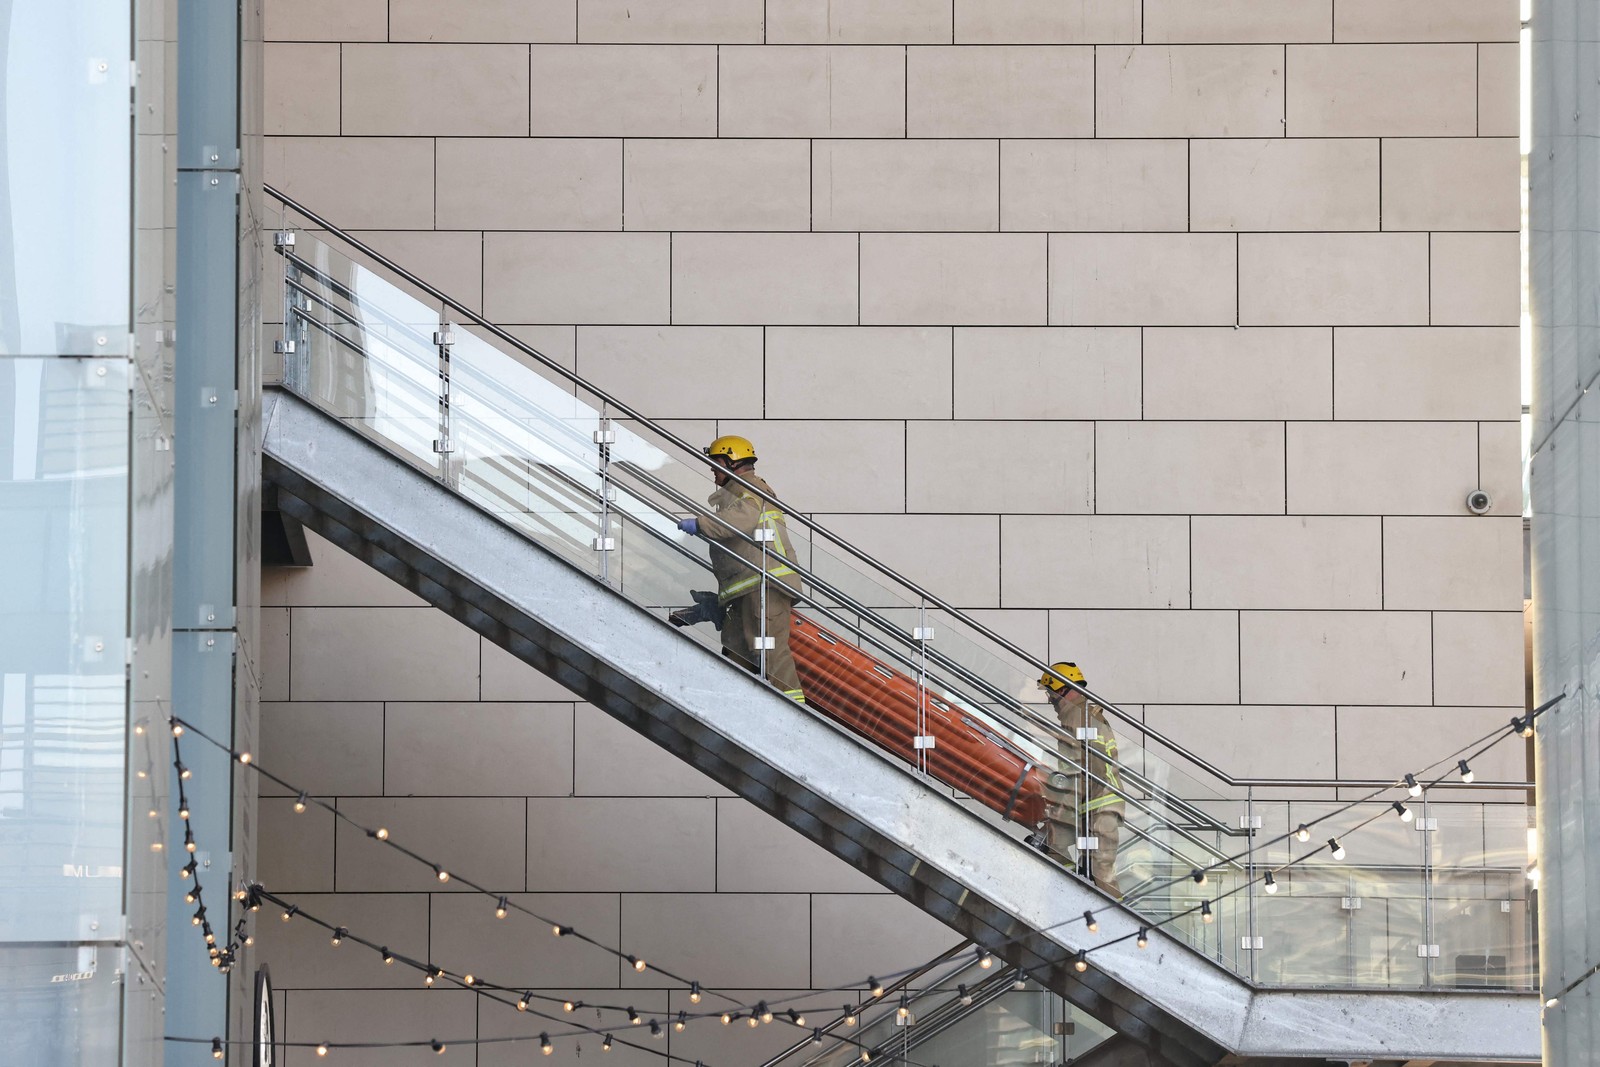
(748, 535)
(1082, 798)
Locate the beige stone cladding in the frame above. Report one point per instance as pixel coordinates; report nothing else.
(1168, 335)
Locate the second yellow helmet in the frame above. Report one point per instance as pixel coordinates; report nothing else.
(1067, 670)
(738, 449)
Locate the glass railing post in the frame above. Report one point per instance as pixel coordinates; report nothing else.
(1429, 949)
(764, 642)
(444, 445)
(1252, 944)
(605, 435)
(922, 741)
(290, 345)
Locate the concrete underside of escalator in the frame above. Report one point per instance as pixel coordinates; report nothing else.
(1168, 1004)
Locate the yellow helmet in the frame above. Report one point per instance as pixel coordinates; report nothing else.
(738, 449)
(1069, 671)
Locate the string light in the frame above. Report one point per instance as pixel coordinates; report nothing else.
(866, 1055)
(751, 1021)
(544, 1044)
(1198, 875)
(816, 1036)
(850, 1016)
(638, 964)
(300, 804)
(905, 1007)
(875, 985)
(1335, 849)
(1402, 811)
(1413, 786)
(569, 1006)
(1080, 963)
(655, 1029)
(440, 873)
(522, 1002)
(1091, 922)
(1144, 937)
(388, 957)
(764, 1011)
(244, 758)
(468, 980)
(290, 912)
(1302, 833)
(727, 1017)
(796, 1018)
(633, 1016)
(558, 930)
(322, 1050)
(500, 909)
(605, 1046)
(188, 840)
(1021, 982)
(1269, 883)
(986, 961)
(438, 1047)
(1205, 912)
(339, 934)
(682, 1021)
(183, 809)
(1524, 726)
(381, 833)
(177, 729)
(1466, 772)
(966, 997)
(216, 1048)
(694, 992)
(184, 773)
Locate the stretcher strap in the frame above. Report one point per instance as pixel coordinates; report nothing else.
(1016, 790)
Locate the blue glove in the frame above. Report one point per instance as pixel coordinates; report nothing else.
(690, 526)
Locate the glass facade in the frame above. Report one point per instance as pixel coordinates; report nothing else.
(86, 436)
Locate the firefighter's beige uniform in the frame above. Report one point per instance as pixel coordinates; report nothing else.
(1079, 804)
(738, 563)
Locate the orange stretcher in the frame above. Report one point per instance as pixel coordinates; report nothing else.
(870, 698)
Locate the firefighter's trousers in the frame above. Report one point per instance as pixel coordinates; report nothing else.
(743, 627)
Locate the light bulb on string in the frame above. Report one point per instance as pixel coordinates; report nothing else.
(381, 833)
(1091, 922)
(966, 997)
(216, 1048)
(681, 1022)
(177, 729)
(440, 873)
(905, 1007)
(1402, 811)
(557, 930)
(850, 1016)
(727, 1017)
(875, 986)
(1205, 912)
(290, 912)
(184, 773)
(544, 1044)
(1302, 833)
(796, 1018)
(1198, 875)
(986, 961)
(388, 957)
(1080, 963)
(569, 1006)
(752, 1022)
(816, 1036)
(1269, 883)
(655, 1029)
(633, 1017)
(501, 909)
(605, 1046)
(438, 1047)
(1466, 772)
(468, 980)
(866, 1055)
(1524, 726)
(1143, 940)
(694, 992)
(188, 840)
(1335, 849)
(1021, 981)
(183, 811)
(244, 758)
(322, 1050)
(339, 934)
(1413, 786)
(522, 1002)
(638, 964)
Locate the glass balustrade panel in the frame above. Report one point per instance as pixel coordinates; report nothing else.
(1482, 920)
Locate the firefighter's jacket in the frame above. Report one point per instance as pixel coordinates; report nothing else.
(736, 560)
(1096, 791)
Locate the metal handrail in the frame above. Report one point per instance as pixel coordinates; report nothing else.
(852, 550)
(1196, 818)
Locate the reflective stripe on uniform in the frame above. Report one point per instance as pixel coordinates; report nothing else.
(744, 585)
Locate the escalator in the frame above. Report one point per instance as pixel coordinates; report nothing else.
(540, 512)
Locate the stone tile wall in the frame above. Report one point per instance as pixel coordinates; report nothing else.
(1170, 336)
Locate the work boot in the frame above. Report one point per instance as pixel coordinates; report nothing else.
(705, 609)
